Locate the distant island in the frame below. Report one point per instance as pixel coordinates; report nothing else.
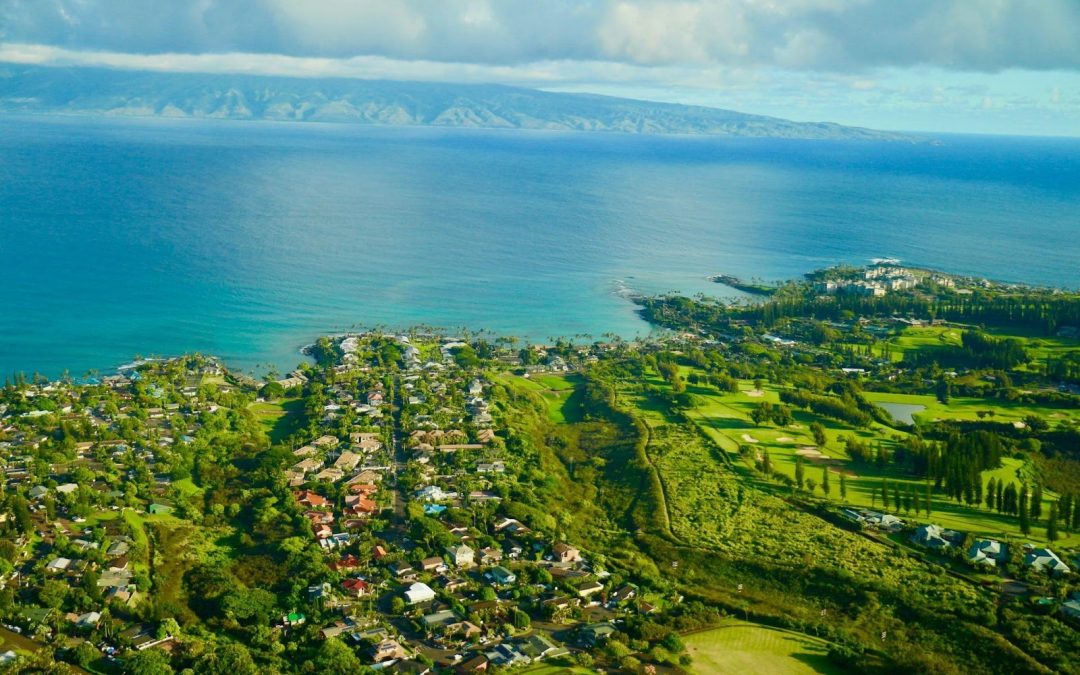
(99, 91)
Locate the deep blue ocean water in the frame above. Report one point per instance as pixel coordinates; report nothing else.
(247, 240)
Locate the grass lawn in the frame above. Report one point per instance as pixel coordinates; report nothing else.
(187, 487)
(725, 418)
(740, 647)
(558, 391)
(961, 408)
(547, 669)
(281, 418)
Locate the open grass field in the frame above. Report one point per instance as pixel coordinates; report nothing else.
(961, 408)
(742, 648)
(187, 487)
(547, 669)
(281, 418)
(725, 418)
(558, 392)
(934, 337)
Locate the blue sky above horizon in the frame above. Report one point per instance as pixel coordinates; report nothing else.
(976, 66)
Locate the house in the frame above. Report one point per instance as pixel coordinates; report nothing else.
(347, 461)
(595, 633)
(987, 553)
(388, 650)
(1071, 608)
(434, 493)
(537, 647)
(411, 667)
(1044, 559)
(307, 465)
(329, 475)
(159, 509)
(401, 568)
(356, 588)
(418, 593)
(491, 467)
(623, 594)
(439, 619)
(461, 555)
(490, 556)
(511, 526)
(293, 619)
(88, 620)
(500, 576)
(881, 521)
(432, 564)
(565, 553)
(58, 565)
(931, 536)
(325, 442)
(507, 654)
(589, 588)
(477, 664)
(312, 500)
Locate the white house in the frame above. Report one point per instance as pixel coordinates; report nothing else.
(419, 592)
(1045, 559)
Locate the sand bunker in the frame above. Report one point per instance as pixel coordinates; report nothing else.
(809, 451)
(1019, 425)
(749, 439)
(785, 439)
(756, 393)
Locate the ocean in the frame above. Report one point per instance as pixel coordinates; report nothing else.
(125, 237)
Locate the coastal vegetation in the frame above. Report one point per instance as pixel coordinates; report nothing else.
(759, 490)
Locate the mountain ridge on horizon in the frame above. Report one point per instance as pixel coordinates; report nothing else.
(114, 92)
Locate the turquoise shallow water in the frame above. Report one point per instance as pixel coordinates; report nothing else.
(247, 240)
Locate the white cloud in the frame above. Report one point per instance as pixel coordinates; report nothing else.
(837, 35)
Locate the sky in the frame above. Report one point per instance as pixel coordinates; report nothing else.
(976, 66)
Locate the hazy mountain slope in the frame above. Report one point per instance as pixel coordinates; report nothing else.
(117, 92)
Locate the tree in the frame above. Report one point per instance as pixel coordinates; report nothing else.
(335, 658)
(230, 659)
(800, 472)
(825, 487)
(1065, 511)
(521, 620)
(1052, 523)
(991, 492)
(21, 510)
(766, 463)
(885, 493)
(944, 391)
(1025, 520)
(929, 501)
(1036, 501)
(52, 593)
(761, 413)
(818, 432)
(843, 487)
(255, 604)
(85, 654)
(148, 662)
(782, 416)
